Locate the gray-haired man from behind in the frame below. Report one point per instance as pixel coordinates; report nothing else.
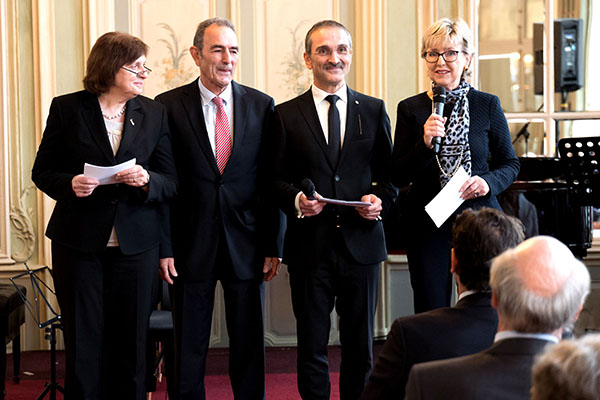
(538, 289)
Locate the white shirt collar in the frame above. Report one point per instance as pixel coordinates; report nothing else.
(466, 293)
(319, 94)
(207, 95)
(514, 334)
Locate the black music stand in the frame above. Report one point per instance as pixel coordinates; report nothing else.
(39, 299)
(581, 159)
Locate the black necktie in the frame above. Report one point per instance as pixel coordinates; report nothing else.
(333, 123)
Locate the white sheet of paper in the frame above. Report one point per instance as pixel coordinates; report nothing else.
(448, 199)
(106, 175)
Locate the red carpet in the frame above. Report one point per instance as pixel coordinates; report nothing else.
(280, 379)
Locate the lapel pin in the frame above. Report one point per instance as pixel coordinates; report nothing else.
(132, 123)
(356, 102)
(359, 125)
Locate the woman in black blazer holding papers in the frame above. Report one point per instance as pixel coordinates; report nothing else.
(474, 135)
(105, 238)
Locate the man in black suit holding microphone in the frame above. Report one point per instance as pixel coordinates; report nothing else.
(340, 140)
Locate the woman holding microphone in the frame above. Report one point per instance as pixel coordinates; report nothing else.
(474, 135)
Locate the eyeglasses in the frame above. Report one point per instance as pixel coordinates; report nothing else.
(139, 74)
(326, 51)
(433, 56)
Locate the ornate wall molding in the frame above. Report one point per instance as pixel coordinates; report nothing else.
(44, 77)
(21, 218)
(236, 18)
(98, 18)
(370, 48)
(8, 118)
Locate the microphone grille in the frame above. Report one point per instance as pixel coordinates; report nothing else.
(439, 94)
(307, 186)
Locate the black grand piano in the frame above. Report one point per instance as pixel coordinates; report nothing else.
(554, 196)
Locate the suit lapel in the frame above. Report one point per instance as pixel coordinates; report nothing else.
(132, 125)
(92, 115)
(240, 116)
(353, 122)
(309, 112)
(192, 104)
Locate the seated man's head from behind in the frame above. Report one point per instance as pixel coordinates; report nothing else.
(538, 287)
(568, 370)
(477, 237)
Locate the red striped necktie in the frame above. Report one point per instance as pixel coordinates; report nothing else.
(222, 135)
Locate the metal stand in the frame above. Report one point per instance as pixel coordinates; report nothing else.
(52, 386)
(50, 326)
(581, 159)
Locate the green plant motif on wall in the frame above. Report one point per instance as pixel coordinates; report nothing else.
(297, 78)
(173, 69)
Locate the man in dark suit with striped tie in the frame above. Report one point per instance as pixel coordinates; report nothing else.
(223, 229)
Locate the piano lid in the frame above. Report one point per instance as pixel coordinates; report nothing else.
(540, 168)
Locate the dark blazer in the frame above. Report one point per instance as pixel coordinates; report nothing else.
(501, 372)
(75, 134)
(208, 202)
(447, 332)
(300, 151)
(492, 154)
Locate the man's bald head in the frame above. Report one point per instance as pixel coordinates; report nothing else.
(539, 286)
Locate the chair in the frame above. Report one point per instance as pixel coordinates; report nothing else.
(12, 316)
(160, 341)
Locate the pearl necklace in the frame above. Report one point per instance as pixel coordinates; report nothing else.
(117, 115)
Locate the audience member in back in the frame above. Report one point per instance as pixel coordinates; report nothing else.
(569, 370)
(538, 288)
(466, 328)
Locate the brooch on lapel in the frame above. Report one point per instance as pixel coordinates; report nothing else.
(359, 121)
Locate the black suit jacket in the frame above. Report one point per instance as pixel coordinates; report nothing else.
(492, 156)
(501, 372)
(75, 134)
(300, 151)
(447, 332)
(208, 202)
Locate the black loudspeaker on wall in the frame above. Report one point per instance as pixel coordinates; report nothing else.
(568, 55)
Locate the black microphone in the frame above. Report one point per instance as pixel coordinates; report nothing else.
(439, 99)
(308, 188)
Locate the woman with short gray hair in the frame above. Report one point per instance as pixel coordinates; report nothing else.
(568, 370)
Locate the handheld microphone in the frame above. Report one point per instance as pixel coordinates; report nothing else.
(308, 188)
(439, 99)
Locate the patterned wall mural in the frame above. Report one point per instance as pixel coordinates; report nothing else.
(168, 27)
(280, 29)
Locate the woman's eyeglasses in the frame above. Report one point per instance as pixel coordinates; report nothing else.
(433, 56)
(139, 74)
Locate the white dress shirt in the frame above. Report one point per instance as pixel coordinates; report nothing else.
(114, 130)
(514, 334)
